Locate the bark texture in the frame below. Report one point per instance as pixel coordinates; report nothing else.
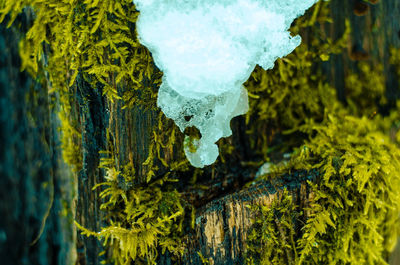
(223, 224)
(91, 113)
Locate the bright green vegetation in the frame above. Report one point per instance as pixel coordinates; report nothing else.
(352, 216)
(272, 238)
(353, 213)
(141, 219)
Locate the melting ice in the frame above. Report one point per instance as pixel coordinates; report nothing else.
(207, 49)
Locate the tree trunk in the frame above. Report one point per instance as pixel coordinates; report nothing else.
(37, 185)
(36, 224)
(222, 218)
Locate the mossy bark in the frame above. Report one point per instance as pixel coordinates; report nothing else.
(222, 225)
(222, 218)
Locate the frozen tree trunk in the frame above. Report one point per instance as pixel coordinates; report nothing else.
(36, 224)
(34, 177)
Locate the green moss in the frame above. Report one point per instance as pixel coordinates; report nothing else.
(94, 37)
(354, 208)
(365, 90)
(140, 219)
(272, 237)
(353, 215)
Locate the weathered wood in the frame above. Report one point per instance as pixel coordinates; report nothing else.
(223, 224)
(93, 122)
(132, 131)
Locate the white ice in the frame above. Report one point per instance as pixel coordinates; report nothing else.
(207, 49)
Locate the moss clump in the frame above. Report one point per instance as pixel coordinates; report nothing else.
(96, 38)
(354, 209)
(272, 239)
(141, 219)
(353, 215)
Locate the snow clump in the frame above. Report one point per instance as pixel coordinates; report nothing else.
(207, 49)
